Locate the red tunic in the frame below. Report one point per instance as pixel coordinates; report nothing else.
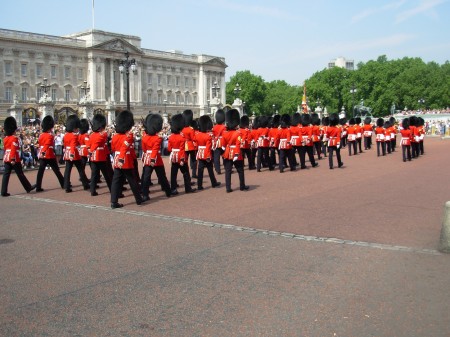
(83, 139)
(232, 143)
(204, 143)
(367, 130)
(263, 137)
(151, 150)
(71, 146)
(406, 136)
(122, 144)
(11, 146)
(315, 133)
(98, 146)
(46, 145)
(379, 134)
(351, 133)
(246, 138)
(333, 134)
(295, 135)
(189, 135)
(217, 131)
(284, 139)
(274, 137)
(176, 147)
(254, 138)
(305, 133)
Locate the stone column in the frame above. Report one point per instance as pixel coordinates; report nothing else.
(16, 111)
(111, 111)
(237, 104)
(46, 106)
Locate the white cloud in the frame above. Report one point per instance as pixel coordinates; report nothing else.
(253, 9)
(376, 10)
(424, 6)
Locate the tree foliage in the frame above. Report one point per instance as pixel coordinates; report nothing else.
(379, 83)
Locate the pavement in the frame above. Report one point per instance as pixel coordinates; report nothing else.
(316, 252)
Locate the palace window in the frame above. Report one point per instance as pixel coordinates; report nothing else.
(8, 94)
(169, 80)
(39, 92)
(53, 71)
(24, 69)
(54, 90)
(24, 93)
(39, 70)
(80, 73)
(67, 95)
(67, 72)
(186, 82)
(177, 81)
(194, 82)
(149, 78)
(159, 79)
(8, 68)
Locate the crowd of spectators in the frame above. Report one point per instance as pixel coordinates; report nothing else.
(423, 112)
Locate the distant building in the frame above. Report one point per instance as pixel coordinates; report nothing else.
(164, 82)
(342, 62)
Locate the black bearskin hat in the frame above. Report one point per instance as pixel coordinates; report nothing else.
(367, 120)
(72, 123)
(47, 123)
(276, 121)
(342, 121)
(358, 120)
(263, 121)
(334, 119)
(420, 121)
(10, 126)
(296, 119)
(177, 123)
(326, 121)
(306, 119)
(256, 124)
(220, 116)
(387, 124)
(84, 125)
(245, 121)
(413, 121)
(285, 121)
(232, 119)
(315, 120)
(98, 122)
(188, 116)
(405, 123)
(153, 124)
(351, 121)
(205, 123)
(392, 120)
(124, 121)
(380, 122)
(194, 124)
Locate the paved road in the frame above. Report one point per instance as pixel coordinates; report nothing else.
(317, 252)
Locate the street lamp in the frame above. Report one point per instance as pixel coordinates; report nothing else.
(421, 101)
(243, 108)
(165, 106)
(208, 106)
(85, 88)
(45, 86)
(215, 89)
(273, 106)
(125, 65)
(237, 90)
(353, 99)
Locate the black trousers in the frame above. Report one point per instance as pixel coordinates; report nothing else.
(68, 170)
(17, 167)
(381, 148)
(318, 149)
(184, 169)
(406, 152)
(239, 165)
(217, 155)
(331, 150)
(101, 166)
(306, 150)
(162, 179)
(117, 184)
(289, 155)
(263, 157)
(247, 153)
(351, 146)
(201, 168)
(367, 143)
(192, 155)
(55, 168)
(359, 141)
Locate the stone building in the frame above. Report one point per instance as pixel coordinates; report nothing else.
(79, 73)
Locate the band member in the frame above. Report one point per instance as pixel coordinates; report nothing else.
(421, 131)
(344, 126)
(415, 136)
(11, 158)
(323, 131)
(151, 155)
(47, 153)
(122, 144)
(176, 146)
(188, 133)
(246, 141)
(273, 138)
(394, 130)
(358, 131)
(333, 135)
(306, 142)
(218, 129)
(367, 132)
(285, 144)
(379, 137)
(254, 142)
(99, 155)
(71, 153)
(387, 136)
(295, 136)
(316, 134)
(232, 150)
(263, 144)
(406, 140)
(83, 139)
(351, 137)
(204, 152)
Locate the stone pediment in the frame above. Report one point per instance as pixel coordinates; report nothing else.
(118, 45)
(216, 62)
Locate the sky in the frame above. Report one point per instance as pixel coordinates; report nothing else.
(286, 40)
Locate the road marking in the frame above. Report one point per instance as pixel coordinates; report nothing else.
(241, 228)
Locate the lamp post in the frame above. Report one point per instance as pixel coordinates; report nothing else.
(215, 89)
(85, 88)
(421, 102)
(353, 99)
(273, 106)
(165, 106)
(237, 90)
(125, 65)
(243, 108)
(208, 106)
(45, 86)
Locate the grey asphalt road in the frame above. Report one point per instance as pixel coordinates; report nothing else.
(317, 252)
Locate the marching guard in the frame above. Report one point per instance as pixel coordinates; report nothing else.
(333, 135)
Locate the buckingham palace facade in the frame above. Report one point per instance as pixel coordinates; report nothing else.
(80, 73)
